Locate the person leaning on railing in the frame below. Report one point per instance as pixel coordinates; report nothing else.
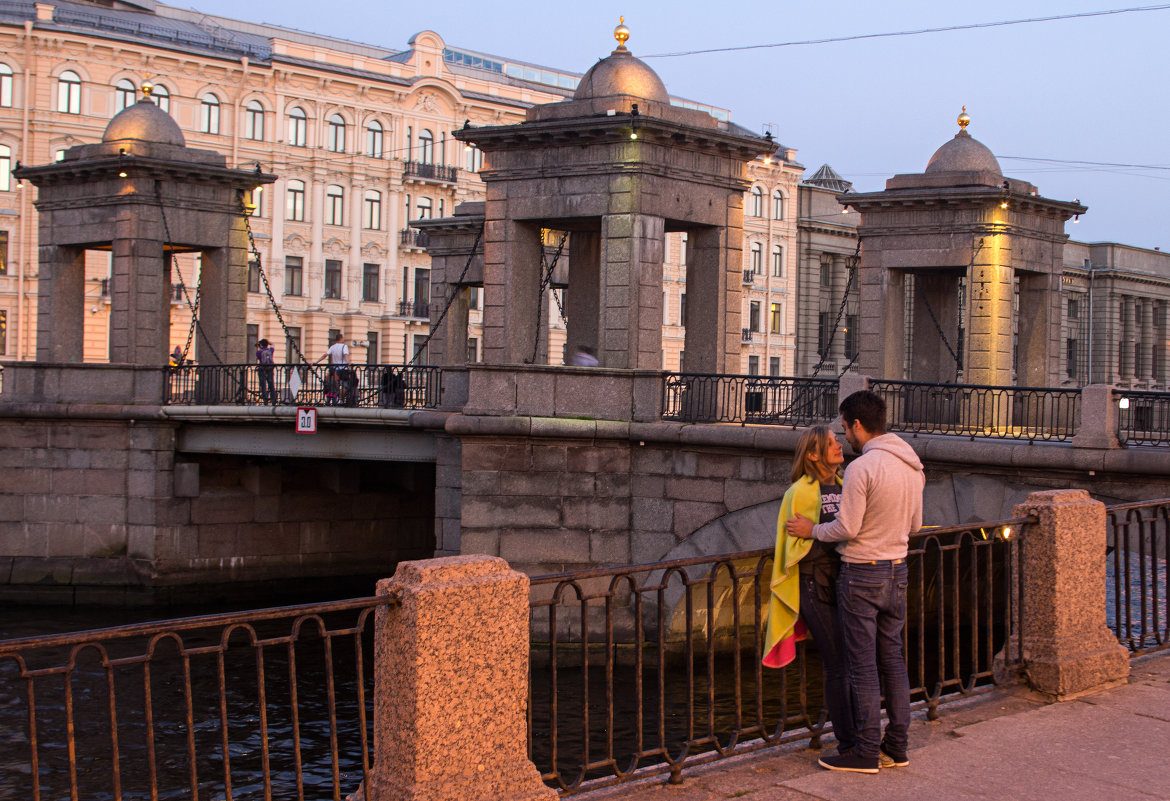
(804, 577)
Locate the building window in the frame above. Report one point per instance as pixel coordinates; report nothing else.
(754, 315)
(162, 98)
(251, 337)
(3, 332)
(5, 169)
(298, 125)
(124, 94)
(69, 92)
(372, 351)
(824, 334)
(209, 114)
(292, 344)
(424, 208)
(293, 270)
(1070, 358)
(374, 139)
(826, 273)
(682, 249)
(682, 308)
(773, 365)
(757, 202)
(473, 299)
(472, 350)
(753, 365)
(5, 86)
(777, 318)
(253, 275)
(370, 275)
(1074, 308)
(295, 209)
(337, 133)
(334, 205)
(777, 261)
(332, 279)
(255, 196)
(3, 253)
(426, 146)
(757, 258)
(372, 210)
(777, 205)
(254, 121)
(852, 335)
(474, 158)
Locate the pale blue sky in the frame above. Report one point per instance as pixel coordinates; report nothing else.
(1088, 89)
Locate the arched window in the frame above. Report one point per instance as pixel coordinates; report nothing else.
(372, 211)
(337, 133)
(295, 205)
(5, 86)
(297, 126)
(334, 205)
(374, 139)
(424, 208)
(426, 147)
(162, 97)
(757, 258)
(474, 158)
(5, 168)
(209, 114)
(254, 121)
(124, 94)
(69, 92)
(757, 202)
(777, 205)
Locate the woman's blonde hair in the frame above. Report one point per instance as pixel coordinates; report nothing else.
(814, 441)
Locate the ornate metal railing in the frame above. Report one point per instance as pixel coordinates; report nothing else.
(203, 707)
(413, 238)
(367, 386)
(420, 309)
(647, 670)
(975, 410)
(1138, 539)
(1143, 418)
(430, 172)
(775, 400)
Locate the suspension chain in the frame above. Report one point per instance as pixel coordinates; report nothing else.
(193, 306)
(546, 274)
(933, 319)
(450, 300)
(852, 266)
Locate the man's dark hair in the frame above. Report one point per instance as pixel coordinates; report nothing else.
(867, 407)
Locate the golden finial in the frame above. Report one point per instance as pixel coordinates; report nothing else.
(147, 88)
(964, 120)
(621, 33)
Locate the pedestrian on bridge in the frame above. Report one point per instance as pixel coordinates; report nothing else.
(881, 505)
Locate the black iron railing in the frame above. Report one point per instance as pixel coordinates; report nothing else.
(412, 238)
(775, 400)
(204, 707)
(974, 410)
(430, 172)
(419, 309)
(1143, 418)
(646, 670)
(366, 386)
(1137, 587)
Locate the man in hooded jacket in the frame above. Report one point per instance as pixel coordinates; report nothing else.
(881, 506)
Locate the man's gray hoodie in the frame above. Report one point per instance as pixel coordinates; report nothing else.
(881, 502)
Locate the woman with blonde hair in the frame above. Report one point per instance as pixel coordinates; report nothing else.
(804, 577)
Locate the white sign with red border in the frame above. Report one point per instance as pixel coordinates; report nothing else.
(306, 420)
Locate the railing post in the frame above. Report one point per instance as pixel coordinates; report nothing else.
(1098, 423)
(1067, 648)
(451, 685)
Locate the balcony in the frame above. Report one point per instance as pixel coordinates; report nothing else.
(410, 238)
(176, 293)
(749, 277)
(429, 173)
(419, 309)
(746, 335)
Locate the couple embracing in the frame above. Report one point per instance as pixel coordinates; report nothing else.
(840, 575)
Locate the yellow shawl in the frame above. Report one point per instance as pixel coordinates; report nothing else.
(804, 496)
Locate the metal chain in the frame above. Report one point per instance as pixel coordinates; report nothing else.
(450, 300)
(546, 274)
(853, 261)
(193, 306)
(933, 319)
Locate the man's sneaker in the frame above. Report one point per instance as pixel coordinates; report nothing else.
(850, 762)
(888, 760)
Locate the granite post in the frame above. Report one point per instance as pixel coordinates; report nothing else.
(1067, 648)
(451, 685)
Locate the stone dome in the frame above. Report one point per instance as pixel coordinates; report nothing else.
(963, 154)
(621, 74)
(144, 122)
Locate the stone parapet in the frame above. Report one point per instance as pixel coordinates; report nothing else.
(580, 392)
(1067, 648)
(452, 685)
(1098, 424)
(82, 383)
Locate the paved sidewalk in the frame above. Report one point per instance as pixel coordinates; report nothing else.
(1008, 744)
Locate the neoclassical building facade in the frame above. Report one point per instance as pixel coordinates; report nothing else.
(359, 137)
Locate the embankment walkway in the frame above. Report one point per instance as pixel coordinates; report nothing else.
(1007, 744)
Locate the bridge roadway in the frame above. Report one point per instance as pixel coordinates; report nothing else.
(1006, 744)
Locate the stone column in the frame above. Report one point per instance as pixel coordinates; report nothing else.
(1161, 350)
(61, 308)
(839, 276)
(140, 287)
(1097, 427)
(1068, 650)
(713, 301)
(1126, 366)
(630, 323)
(511, 280)
(1145, 352)
(582, 296)
(451, 685)
(223, 304)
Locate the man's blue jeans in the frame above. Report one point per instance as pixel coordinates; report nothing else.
(871, 603)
